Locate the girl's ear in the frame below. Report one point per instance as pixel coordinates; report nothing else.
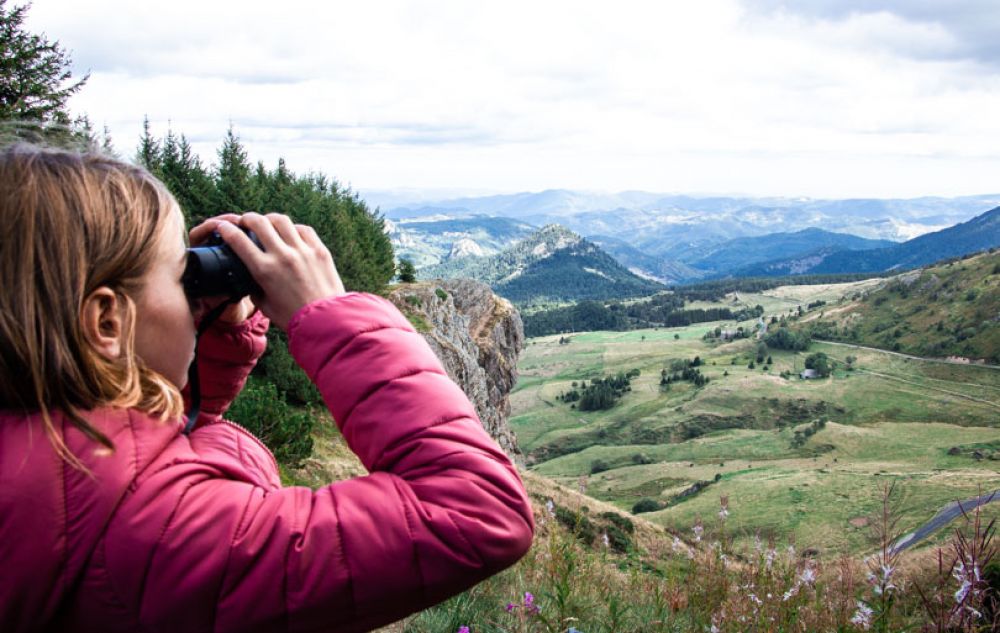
(101, 320)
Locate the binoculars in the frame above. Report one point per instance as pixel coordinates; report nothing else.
(214, 270)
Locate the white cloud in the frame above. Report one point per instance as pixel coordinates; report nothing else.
(708, 96)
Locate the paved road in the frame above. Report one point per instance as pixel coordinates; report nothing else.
(947, 514)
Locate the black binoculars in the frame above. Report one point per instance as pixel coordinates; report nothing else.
(214, 270)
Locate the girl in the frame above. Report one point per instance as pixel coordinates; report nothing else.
(111, 519)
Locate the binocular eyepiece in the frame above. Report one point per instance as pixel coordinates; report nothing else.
(213, 269)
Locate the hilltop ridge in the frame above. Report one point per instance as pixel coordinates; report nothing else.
(552, 264)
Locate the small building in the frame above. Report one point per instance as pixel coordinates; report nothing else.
(808, 374)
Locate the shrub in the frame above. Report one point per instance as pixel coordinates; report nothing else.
(284, 429)
(441, 294)
(598, 466)
(623, 523)
(279, 368)
(580, 525)
(645, 505)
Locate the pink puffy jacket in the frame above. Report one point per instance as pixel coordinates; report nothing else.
(195, 533)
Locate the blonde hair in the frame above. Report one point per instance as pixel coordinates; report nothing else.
(72, 223)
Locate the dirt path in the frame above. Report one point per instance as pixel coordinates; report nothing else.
(909, 356)
(992, 403)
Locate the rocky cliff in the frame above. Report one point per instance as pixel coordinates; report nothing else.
(478, 337)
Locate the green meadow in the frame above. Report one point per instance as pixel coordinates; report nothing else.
(890, 418)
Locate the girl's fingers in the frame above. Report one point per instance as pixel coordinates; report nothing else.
(309, 236)
(201, 232)
(284, 227)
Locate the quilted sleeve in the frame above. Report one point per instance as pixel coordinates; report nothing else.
(226, 354)
(442, 509)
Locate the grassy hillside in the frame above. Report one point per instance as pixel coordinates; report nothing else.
(950, 309)
(593, 567)
(889, 418)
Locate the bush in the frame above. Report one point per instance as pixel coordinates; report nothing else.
(285, 430)
(441, 294)
(598, 466)
(645, 505)
(623, 523)
(279, 368)
(580, 525)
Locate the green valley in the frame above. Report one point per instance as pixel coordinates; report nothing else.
(799, 458)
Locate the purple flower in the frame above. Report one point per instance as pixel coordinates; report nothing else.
(510, 607)
(529, 603)
(463, 629)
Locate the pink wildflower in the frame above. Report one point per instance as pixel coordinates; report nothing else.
(863, 616)
(724, 512)
(463, 629)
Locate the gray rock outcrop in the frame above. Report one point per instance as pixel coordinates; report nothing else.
(478, 337)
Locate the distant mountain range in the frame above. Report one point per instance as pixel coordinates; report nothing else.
(680, 239)
(551, 265)
(979, 233)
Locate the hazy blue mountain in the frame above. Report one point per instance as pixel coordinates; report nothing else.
(667, 271)
(979, 233)
(742, 252)
(665, 221)
(551, 265)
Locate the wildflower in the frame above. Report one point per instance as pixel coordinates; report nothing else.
(529, 603)
(863, 616)
(463, 629)
(510, 607)
(605, 541)
(677, 545)
(714, 629)
(697, 529)
(968, 579)
(807, 576)
(724, 512)
(550, 507)
(769, 557)
(790, 593)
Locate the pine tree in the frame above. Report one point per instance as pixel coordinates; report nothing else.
(407, 271)
(35, 80)
(148, 154)
(234, 190)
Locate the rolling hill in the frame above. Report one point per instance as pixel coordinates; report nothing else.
(950, 309)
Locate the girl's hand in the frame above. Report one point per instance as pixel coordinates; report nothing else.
(294, 269)
(239, 311)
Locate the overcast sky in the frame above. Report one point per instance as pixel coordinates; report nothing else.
(843, 99)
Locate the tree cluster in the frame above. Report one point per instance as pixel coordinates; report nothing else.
(601, 393)
(801, 437)
(353, 233)
(820, 363)
(784, 338)
(683, 371)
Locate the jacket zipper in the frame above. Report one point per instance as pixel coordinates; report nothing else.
(260, 443)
